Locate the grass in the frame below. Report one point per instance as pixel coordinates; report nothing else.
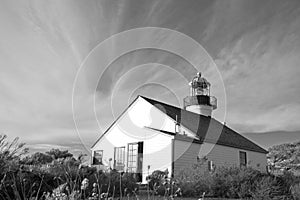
(178, 198)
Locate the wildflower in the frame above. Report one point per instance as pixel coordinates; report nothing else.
(178, 192)
(103, 195)
(84, 184)
(94, 190)
(202, 198)
(174, 182)
(125, 191)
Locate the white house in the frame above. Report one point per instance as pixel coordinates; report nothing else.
(151, 135)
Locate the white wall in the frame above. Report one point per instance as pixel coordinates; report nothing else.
(186, 153)
(130, 128)
(228, 156)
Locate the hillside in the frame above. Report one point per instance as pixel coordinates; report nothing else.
(285, 157)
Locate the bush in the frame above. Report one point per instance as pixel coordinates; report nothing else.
(163, 185)
(234, 182)
(295, 191)
(61, 175)
(274, 187)
(114, 183)
(24, 184)
(224, 182)
(283, 184)
(264, 188)
(194, 181)
(156, 178)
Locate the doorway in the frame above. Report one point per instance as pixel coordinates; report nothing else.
(135, 160)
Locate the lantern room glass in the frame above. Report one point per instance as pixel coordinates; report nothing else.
(199, 86)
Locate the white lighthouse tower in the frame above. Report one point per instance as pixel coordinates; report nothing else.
(199, 101)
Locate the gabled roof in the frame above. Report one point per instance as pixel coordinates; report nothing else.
(206, 128)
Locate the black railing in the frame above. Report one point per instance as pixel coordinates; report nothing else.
(200, 100)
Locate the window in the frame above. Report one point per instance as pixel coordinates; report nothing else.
(132, 157)
(98, 156)
(243, 159)
(119, 158)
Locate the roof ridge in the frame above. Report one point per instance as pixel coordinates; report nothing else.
(161, 102)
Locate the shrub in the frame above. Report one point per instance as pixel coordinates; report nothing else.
(234, 182)
(295, 191)
(113, 183)
(193, 181)
(163, 185)
(224, 182)
(263, 188)
(239, 181)
(24, 184)
(194, 189)
(283, 184)
(156, 178)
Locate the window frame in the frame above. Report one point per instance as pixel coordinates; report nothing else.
(94, 157)
(131, 159)
(119, 158)
(243, 160)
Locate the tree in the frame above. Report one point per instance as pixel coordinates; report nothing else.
(37, 158)
(56, 154)
(285, 157)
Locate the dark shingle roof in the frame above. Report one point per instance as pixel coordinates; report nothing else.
(206, 128)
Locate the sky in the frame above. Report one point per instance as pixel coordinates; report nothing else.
(254, 44)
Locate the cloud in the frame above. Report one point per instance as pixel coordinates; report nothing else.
(261, 74)
(47, 147)
(255, 44)
(38, 65)
(281, 118)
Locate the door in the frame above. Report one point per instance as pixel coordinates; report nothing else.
(140, 162)
(135, 159)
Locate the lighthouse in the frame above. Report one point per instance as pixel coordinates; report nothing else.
(199, 101)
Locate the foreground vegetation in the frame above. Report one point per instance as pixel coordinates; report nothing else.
(58, 174)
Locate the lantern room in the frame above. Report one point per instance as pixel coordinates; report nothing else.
(199, 86)
(199, 101)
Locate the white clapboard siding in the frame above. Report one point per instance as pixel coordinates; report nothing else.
(186, 154)
(228, 156)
